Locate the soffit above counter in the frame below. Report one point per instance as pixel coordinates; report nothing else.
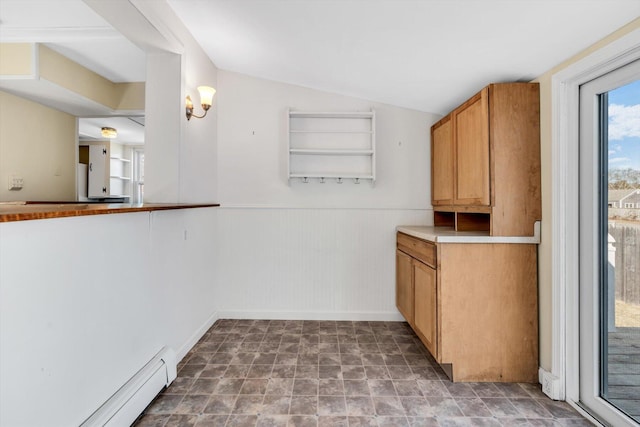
(36, 72)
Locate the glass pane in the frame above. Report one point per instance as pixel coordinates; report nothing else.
(621, 288)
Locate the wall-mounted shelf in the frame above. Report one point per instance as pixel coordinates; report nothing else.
(120, 159)
(321, 152)
(332, 114)
(329, 131)
(331, 146)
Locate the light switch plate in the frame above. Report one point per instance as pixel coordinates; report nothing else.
(15, 182)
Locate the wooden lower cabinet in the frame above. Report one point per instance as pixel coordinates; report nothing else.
(425, 316)
(404, 285)
(476, 311)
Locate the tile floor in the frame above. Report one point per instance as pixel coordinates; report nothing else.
(326, 373)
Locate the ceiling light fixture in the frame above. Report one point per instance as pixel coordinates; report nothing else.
(108, 132)
(206, 99)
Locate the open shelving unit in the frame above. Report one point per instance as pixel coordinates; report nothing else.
(331, 146)
(119, 173)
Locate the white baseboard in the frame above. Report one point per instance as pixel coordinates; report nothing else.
(193, 340)
(550, 384)
(126, 404)
(311, 315)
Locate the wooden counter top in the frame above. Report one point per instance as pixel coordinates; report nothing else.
(23, 211)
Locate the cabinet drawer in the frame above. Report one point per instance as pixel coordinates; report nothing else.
(419, 249)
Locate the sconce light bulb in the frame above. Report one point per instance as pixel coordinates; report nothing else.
(206, 96)
(206, 99)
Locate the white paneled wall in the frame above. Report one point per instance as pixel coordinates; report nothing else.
(311, 251)
(310, 263)
(86, 301)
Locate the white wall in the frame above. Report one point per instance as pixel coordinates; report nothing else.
(288, 263)
(86, 301)
(180, 154)
(252, 153)
(311, 250)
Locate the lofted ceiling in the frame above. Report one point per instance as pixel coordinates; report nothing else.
(428, 55)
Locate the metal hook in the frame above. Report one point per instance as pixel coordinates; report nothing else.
(357, 180)
(322, 180)
(339, 180)
(305, 180)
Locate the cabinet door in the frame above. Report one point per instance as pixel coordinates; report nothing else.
(426, 320)
(404, 285)
(442, 164)
(98, 171)
(471, 134)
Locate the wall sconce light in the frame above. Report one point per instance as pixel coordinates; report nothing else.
(206, 99)
(108, 132)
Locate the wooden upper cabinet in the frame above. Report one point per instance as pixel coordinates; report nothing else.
(486, 160)
(442, 163)
(514, 120)
(471, 130)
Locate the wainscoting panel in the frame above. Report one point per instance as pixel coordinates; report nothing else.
(283, 263)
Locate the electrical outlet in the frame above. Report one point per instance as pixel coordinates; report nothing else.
(15, 182)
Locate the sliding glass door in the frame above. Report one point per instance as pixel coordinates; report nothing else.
(610, 246)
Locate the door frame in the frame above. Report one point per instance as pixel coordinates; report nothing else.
(565, 87)
(593, 239)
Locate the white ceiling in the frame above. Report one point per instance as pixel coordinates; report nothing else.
(130, 129)
(73, 29)
(428, 55)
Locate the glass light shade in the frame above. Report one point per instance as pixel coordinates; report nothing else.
(189, 102)
(108, 132)
(206, 95)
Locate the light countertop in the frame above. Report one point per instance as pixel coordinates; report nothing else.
(449, 235)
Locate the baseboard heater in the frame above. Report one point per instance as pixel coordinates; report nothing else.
(130, 400)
